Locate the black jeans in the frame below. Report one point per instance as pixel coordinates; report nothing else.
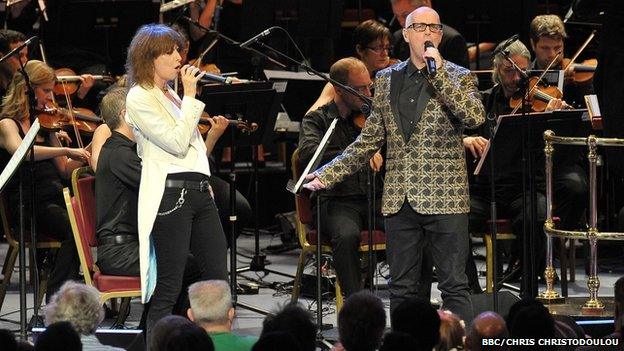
(446, 236)
(192, 225)
(343, 219)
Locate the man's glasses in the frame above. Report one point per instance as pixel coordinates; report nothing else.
(420, 27)
(380, 49)
(363, 88)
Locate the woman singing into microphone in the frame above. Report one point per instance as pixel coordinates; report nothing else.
(176, 211)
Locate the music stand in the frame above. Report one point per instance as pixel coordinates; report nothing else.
(255, 103)
(506, 153)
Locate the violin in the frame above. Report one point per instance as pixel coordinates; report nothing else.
(57, 118)
(584, 71)
(244, 126)
(72, 81)
(538, 97)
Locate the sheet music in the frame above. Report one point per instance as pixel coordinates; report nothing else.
(315, 158)
(276, 74)
(19, 154)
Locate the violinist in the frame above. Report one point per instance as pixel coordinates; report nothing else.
(116, 194)
(345, 207)
(52, 163)
(508, 179)
(547, 34)
(570, 178)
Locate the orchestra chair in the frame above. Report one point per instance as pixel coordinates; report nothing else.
(82, 220)
(503, 232)
(308, 237)
(12, 237)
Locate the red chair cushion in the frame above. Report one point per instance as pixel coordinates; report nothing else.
(86, 189)
(110, 283)
(379, 237)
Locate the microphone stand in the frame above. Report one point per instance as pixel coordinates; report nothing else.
(529, 283)
(22, 216)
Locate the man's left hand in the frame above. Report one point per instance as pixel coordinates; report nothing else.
(433, 53)
(218, 125)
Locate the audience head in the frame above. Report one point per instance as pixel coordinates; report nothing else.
(451, 331)
(547, 33)
(425, 328)
(529, 318)
(504, 73)
(152, 42)
(295, 320)
(486, 325)
(277, 341)
(211, 304)
(372, 41)
(353, 73)
(78, 304)
(59, 336)
(361, 322)
(399, 341)
(173, 333)
(402, 8)
(7, 340)
(113, 107)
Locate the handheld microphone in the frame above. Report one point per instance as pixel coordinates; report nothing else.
(431, 64)
(257, 37)
(211, 78)
(505, 44)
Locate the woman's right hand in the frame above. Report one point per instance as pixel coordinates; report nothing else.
(190, 76)
(78, 154)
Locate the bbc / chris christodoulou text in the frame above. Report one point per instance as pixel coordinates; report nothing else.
(550, 342)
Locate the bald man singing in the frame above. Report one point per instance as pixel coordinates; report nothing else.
(420, 114)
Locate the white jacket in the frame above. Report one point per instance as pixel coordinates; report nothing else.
(165, 136)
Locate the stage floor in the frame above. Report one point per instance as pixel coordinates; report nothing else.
(250, 323)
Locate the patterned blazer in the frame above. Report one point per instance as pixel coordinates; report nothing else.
(428, 168)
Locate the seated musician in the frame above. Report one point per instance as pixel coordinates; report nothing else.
(570, 182)
(372, 46)
(508, 179)
(344, 208)
(52, 162)
(9, 40)
(117, 181)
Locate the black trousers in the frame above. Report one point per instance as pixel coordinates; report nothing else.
(187, 220)
(344, 219)
(52, 219)
(446, 237)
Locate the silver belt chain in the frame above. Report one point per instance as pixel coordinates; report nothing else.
(178, 204)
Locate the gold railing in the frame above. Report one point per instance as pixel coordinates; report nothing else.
(593, 305)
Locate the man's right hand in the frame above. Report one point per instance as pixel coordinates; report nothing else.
(313, 183)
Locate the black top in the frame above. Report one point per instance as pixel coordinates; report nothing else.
(413, 97)
(48, 184)
(117, 187)
(313, 127)
(452, 47)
